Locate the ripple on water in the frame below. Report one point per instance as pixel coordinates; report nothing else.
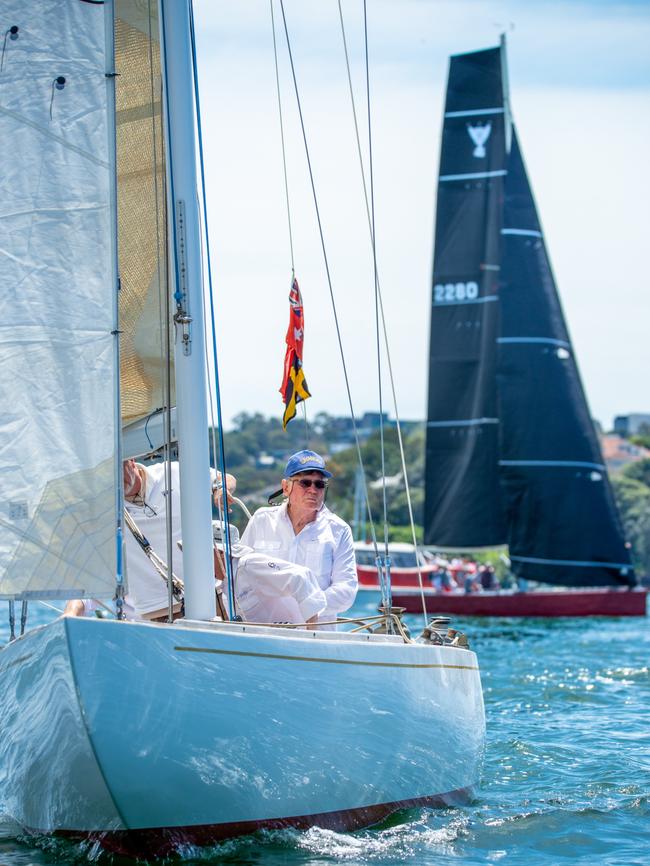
(566, 773)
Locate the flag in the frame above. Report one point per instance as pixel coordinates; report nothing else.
(294, 387)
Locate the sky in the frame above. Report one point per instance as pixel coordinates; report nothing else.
(580, 91)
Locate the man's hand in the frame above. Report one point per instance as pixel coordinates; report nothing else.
(217, 490)
(75, 607)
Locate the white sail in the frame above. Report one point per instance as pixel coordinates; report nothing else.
(57, 356)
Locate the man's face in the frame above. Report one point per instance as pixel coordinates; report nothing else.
(131, 479)
(301, 491)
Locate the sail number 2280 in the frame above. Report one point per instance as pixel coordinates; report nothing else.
(448, 293)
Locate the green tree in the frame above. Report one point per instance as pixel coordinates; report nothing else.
(639, 471)
(254, 435)
(633, 498)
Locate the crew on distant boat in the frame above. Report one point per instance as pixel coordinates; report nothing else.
(304, 531)
(267, 589)
(463, 575)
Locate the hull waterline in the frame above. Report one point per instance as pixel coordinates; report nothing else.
(151, 736)
(162, 841)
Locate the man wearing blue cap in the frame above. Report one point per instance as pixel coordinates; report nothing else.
(304, 531)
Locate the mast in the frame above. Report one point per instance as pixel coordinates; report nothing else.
(185, 266)
(505, 86)
(109, 17)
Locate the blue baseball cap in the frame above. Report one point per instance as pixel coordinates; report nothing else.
(305, 461)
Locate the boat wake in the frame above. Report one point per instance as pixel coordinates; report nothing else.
(584, 828)
(404, 835)
(407, 834)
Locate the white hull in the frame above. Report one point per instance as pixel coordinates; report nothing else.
(200, 732)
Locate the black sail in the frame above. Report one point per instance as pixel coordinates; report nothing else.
(462, 506)
(563, 524)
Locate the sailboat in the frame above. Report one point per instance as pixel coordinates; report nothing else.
(512, 456)
(147, 735)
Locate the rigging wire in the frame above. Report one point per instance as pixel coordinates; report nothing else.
(164, 322)
(52, 607)
(284, 152)
(286, 185)
(222, 452)
(12, 620)
(117, 349)
(304, 415)
(385, 563)
(383, 588)
(383, 318)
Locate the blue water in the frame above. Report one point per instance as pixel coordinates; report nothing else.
(566, 776)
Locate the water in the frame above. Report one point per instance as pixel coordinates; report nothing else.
(566, 775)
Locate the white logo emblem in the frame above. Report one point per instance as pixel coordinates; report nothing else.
(479, 135)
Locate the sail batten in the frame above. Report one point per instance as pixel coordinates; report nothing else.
(471, 175)
(473, 112)
(566, 463)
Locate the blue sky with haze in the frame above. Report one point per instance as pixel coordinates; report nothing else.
(580, 90)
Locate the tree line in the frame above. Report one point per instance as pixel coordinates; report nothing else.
(257, 448)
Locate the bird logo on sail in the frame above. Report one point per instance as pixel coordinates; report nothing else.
(479, 135)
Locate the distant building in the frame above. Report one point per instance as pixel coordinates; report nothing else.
(630, 425)
(370, 422)
(340, 430)
(618, 452)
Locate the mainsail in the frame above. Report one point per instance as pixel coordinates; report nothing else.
(563, 525)
(57, 269)
(512, 454)
(462, 499)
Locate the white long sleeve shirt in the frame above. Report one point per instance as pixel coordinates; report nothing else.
(147, 590)
(323, 546)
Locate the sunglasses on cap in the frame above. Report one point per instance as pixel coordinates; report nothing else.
(306, 483)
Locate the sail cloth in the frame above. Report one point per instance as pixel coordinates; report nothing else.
(563, 524)
(294, 386)
(141, 211)
(57, 425)
(462, 498)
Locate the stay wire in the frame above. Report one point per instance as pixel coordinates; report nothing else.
(117, 396)
(383, 318)
(286, 182)
(284, 153)
(165, 328)
(331, 292)
(222, 452)
(386, 562)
